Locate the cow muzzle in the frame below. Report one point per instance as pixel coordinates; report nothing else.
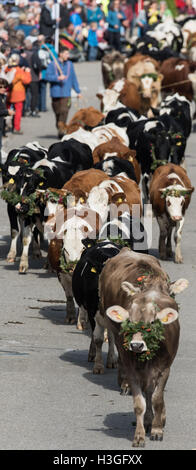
(176, 218)
(137, 344)
(138, 347)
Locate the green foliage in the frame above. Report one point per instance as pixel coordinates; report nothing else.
(175, 193)
(152, 333)
(52, 196)
(66, 267)
(11, 197)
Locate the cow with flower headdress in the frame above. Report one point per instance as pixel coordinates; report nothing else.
(137, 303)
(170, 195)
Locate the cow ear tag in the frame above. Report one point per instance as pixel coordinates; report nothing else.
(11, 181)
(167, 315)
(93, 270)
(117, 313)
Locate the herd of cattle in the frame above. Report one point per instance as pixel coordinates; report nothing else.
(83, 194)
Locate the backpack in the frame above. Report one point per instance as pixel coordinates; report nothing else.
(44, 58)
(36, 62)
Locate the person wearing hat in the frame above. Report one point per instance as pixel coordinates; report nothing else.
(3, 108)
(62, 77)
(17, 93)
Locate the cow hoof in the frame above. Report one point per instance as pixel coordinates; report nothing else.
(70, 321)
(156, 435)
(112, 364)
(98, 369)
(125, 390)
(139, 441)
(23, 269)
(82, 325)
(10, 259)
(178, 259)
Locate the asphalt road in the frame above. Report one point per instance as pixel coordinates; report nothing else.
(49, 397)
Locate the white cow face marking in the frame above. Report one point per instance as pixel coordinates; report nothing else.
(12, 170)
(110, 99)
(146, 84)
(174, 206)
(76, 229)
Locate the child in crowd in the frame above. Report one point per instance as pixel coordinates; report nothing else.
(17, 92)
(92, 42)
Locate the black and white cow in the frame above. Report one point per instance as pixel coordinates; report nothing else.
(20, 160)
(176, 114)
(86, 277)
(115, 166)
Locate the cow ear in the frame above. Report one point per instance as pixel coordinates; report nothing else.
(160, 77)
(99, 96)
(88, 242)
(129, 288)
(167, 315)
(117, 313)
(178, 286)
(190, 190)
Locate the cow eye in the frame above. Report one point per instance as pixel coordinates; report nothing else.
(168, 203)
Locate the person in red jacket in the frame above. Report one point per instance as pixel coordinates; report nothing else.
(17, 92)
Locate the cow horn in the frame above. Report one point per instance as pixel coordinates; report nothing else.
(129, 288)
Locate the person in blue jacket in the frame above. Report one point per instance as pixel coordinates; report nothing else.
(92, 42)
(94, 12)
(62, 77)
(115, 19)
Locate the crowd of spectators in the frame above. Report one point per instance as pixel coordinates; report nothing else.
(87, 28)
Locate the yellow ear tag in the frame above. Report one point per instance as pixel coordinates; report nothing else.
(165, 319)
(41, 184)
(119, 316)
(93, 270)
(11, 181)
(120, 199)
(149, 45)
(81, 199)
(178, 144)
(89, 246)
(0, 169)
(130, 159)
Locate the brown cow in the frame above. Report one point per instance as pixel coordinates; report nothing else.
(170, 195)
(176, 77)
(136, 304)
(66, 247)
(143, 71)
(124, 91)
(117, 190)
(82, 182)
(115, 148)
(86, 118)
(112, 67)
